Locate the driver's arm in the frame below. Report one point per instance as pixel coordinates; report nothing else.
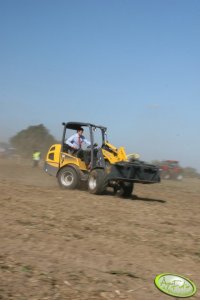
(86, 141)
(70, 142)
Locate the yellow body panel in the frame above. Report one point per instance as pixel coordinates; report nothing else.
(56, 158)
(53, 155)
(68, 159)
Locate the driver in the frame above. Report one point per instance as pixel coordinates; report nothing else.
(75, 142)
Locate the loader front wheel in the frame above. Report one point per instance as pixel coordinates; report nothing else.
(126, 189)
(68, 178)
(96, 182)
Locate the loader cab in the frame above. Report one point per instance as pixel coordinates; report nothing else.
(96, 135)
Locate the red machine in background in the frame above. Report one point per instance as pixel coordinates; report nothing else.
(170, 169)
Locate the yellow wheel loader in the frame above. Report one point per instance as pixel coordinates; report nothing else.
(108, 166)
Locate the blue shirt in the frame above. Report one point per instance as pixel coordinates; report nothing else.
(73, 141)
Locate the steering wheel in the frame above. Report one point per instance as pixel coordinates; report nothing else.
(95, 145)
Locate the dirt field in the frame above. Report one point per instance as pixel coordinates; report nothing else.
(57, 244)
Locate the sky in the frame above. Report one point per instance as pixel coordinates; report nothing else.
(130, 65)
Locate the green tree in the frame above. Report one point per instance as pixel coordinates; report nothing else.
(32, 138)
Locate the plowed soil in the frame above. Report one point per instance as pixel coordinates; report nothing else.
(57, 244)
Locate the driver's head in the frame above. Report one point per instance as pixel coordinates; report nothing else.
(80, 131)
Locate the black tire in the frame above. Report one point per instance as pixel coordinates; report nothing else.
(68, 178)
(126, 189)
(96, 182)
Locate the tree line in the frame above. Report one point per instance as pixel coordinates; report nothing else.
(33, 138)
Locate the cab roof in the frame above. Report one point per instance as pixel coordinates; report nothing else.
(76, 125)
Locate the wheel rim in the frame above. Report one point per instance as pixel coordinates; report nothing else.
(92, 183)
(67, 178)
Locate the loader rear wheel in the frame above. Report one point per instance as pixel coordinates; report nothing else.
(126, 189)
(96, 182)
(68, 178)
